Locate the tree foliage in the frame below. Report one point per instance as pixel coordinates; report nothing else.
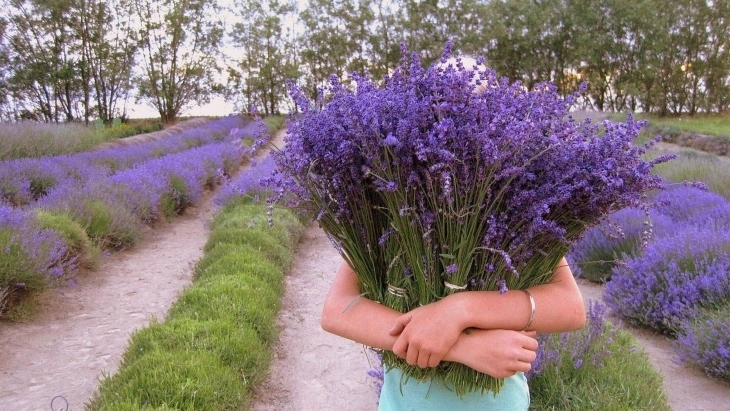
(64, 60)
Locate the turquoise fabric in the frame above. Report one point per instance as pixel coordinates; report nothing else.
(435, 396)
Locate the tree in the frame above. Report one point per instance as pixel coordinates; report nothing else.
(179, 43)
(43, 80)
(107, 57)
(5, 109)
(268, 59)
(339, 38)
(384, 38)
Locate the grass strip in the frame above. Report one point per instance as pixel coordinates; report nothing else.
(216, 341)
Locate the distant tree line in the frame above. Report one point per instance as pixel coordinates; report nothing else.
(66, 60)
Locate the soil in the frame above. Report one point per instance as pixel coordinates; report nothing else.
(82, 331)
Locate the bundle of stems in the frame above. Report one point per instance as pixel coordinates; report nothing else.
(450, 179)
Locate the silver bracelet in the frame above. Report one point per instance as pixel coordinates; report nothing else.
(533, 308)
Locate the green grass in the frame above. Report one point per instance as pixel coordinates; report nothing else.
(217, 339)
(275, 122)
(691, 166)
(717, 125)
(625, 381)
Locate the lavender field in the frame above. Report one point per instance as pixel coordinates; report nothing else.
(668, 269)
(58, 213)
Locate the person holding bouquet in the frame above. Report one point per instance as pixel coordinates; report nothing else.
(453, 196)
(490, 332)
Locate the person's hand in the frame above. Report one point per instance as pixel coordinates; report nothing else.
(426, 334)
(499, 353)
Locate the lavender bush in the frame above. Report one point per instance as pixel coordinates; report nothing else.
(562, 352)
(675, 276)
(250, 183)
(705, 340)
(430, 186)
(109, 195)
(30, 254)
(24, 181)
(687, 204)
(625, 233)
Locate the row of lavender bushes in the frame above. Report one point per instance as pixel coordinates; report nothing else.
(668, 269)
(58, 213)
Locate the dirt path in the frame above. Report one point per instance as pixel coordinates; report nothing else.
(312, 369)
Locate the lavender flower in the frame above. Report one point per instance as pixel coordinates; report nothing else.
(248, 184)
(624, 233)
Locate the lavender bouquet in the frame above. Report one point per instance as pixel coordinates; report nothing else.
(448, 179)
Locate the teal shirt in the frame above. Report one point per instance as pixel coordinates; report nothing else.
(415, 395)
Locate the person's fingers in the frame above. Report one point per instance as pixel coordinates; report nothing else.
(528, 356)
(523, 366)
(530, 344)
(433, 361)
(400, 347)
(400, 325)
(412, 356)
(423, 360)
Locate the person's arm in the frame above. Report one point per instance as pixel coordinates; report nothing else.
(499, 353)
(426, 334)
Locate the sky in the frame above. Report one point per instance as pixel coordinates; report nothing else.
(217, 107)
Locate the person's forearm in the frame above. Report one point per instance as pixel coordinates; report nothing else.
(356, 317)
(361, 320)
(558, 307)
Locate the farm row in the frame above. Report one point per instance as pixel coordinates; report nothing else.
(57, 214)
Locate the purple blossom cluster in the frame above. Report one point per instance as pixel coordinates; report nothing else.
(681, 273)
(250, 183)
(428, 140)
(690, 205)
(673, 278)
(450, 178)
(705, 340)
